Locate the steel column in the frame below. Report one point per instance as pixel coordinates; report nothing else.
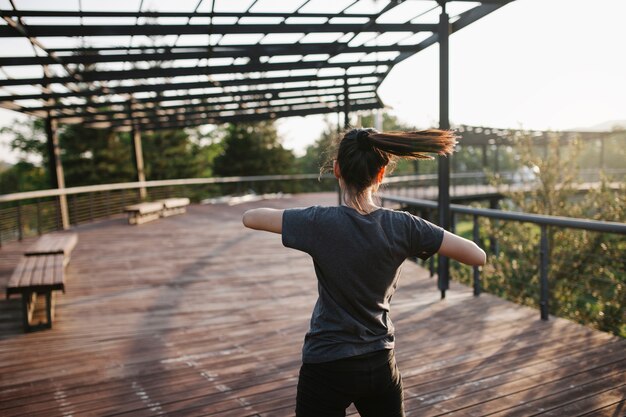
(346, 102)
(55, 169)
(476, 237)
(137, 151)
(543, 273)
(443, 267)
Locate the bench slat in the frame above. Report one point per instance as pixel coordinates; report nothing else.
(29, 271)
(59, 265)
(175, 202)
(39, 270)
(53, 243)
(16, 277)
(143, 208)
(37, 273)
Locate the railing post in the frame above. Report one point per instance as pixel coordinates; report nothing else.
(543, 272)
(38, 218)
(57, 214)
(107, 197)
(91, 207)
(74, 211)
(476, 237)
(20, 235)
(495, 247)
(431, 266)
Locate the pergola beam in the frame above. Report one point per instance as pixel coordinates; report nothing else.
(159, 88)
(141, 88)
(246, 118)
(253, 95)
(93, 55)
(217, 113)
(41, 31)
(153, 14)
(188, 71)
(220, 115)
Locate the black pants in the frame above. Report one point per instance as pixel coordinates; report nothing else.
(372, 382)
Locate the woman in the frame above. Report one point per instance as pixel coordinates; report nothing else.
(357, 251)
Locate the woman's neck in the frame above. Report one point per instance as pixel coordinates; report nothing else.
(363, 203)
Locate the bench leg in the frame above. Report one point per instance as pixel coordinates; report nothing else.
(29, 300)
(50, 304)
(173, 211)
(136, 218)
(28, 307)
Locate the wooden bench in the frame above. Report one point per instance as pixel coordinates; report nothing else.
(42, 271)
(52, 244)
(172, 206)
(144, 212)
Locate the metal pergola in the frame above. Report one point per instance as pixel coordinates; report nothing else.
(140, 65)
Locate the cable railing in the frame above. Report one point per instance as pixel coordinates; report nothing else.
(470, 186)
(574, 268)
(36, 212)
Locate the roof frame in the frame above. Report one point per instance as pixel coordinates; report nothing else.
(93, 84)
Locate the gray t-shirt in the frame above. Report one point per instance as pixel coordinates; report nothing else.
(357, 261)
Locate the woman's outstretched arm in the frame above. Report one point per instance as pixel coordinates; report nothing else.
(461, 249)
(270, 220)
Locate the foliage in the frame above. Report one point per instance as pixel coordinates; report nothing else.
(29, 137)
(253, 149)
(101, 156)
(587, 273)
(94, 156)
(23, 176)
(171, 154)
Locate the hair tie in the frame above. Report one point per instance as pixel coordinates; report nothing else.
(363, 140)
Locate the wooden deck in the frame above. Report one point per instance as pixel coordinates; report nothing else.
(194, 315)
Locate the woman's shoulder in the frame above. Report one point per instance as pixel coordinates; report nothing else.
(314, 211)
(396, 214)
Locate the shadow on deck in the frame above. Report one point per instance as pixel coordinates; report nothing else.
(195, 315)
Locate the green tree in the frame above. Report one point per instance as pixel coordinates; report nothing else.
(94, 156)
(253, 149)
(171, 154)
(23, 176)
(587, 274)
(100, 156)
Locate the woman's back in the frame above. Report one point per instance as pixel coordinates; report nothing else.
(357, 259)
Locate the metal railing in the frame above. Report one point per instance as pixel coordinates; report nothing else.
(544, 222)
(479, 185)
(36, 212)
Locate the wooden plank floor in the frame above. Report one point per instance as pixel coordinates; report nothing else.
(194, 315)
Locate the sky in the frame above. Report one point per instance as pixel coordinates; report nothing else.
(535, 64)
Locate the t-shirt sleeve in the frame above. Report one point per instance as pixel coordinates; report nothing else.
(426, 237)
(299, 228)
